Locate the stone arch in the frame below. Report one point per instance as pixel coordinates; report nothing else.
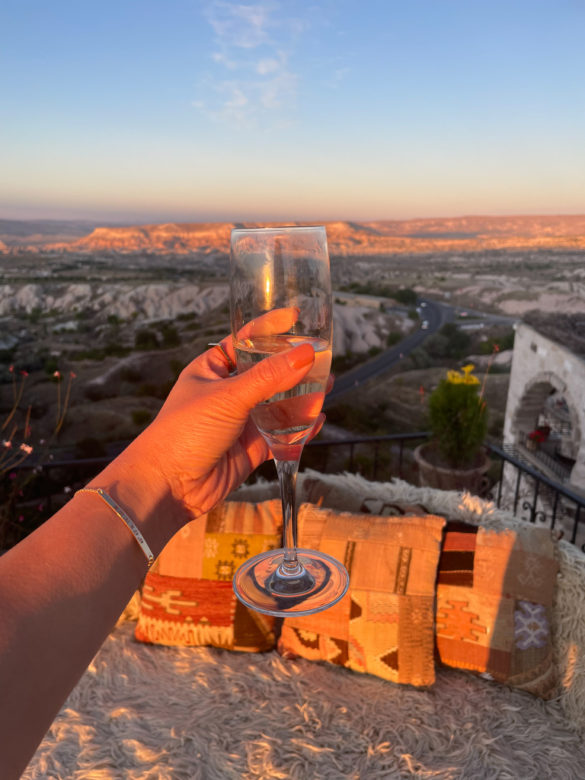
(532, 402)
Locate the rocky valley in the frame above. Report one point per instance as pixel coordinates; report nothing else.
(124, 308)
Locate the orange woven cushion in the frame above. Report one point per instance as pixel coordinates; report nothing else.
(494, 603)
(187, 596)
(384, 625)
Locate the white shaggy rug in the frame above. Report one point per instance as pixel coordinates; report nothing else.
(158, 713)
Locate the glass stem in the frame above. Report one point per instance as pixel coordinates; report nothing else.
(287, 477)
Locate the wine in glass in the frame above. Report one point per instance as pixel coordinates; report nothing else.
(280, 297)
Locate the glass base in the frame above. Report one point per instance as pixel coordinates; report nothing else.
(267, 584)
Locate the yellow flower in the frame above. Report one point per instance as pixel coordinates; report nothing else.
(468, 377)
(464, 376)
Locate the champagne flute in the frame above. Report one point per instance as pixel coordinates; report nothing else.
(280, 297)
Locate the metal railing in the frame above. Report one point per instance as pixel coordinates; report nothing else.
(539, 455)
(537, 498)
(513, 483)
(377, 457)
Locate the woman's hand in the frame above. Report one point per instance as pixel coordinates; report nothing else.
(203, 443)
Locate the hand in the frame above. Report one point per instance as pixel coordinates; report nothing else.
(203, 442)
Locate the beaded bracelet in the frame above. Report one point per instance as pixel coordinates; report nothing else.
(130, 524)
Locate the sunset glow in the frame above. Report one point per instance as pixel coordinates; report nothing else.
(282, 111)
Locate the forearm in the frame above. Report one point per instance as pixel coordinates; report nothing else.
(62, 588)
(61, 592)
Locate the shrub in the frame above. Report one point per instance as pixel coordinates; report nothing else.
(458, 342)
(129, 374)
(145, 339)
(406, 296)
(50, 365)
(458, 417)
(170, 336)
(506, 341)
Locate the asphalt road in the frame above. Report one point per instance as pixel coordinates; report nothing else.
(435, 315)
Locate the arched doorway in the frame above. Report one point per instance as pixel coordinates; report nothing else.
(546, 423)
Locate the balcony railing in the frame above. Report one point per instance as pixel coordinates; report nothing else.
(513, 484)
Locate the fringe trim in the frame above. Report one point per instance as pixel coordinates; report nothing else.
(166, 632)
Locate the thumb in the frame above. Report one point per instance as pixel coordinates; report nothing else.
(274, 374)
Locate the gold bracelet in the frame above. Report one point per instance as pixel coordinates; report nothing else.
(130, 524)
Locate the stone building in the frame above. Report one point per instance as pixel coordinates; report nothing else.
(545, 411)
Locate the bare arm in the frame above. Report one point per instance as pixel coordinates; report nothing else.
(63, 588)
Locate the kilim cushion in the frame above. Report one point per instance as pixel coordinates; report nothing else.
(384, 625)
(494, 602)
(187, 596)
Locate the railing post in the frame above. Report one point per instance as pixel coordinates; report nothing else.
(576, 524)
(554, 510)
(516, 492)
(534, 501)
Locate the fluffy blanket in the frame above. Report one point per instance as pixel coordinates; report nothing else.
(158, 713)
(146, 712)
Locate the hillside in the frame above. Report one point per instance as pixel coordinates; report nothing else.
(461, 234)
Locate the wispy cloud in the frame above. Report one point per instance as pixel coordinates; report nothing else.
(251, 81)
(238, 25)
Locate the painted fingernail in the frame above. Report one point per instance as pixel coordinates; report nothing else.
(300, 357)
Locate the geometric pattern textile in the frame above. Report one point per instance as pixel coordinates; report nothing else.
(494, 604)
(384, 625)
(187, 596)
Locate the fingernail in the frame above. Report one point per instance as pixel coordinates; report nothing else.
(301, 357)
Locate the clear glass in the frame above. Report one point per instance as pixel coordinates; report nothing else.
(280, 297)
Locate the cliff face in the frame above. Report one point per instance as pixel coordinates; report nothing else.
(356, 328)
(169, 238)
(462, 234)
(145, 301)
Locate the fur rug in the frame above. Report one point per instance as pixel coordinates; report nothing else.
(146, 712)
(154, 713)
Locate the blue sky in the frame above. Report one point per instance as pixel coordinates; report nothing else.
(337, 109)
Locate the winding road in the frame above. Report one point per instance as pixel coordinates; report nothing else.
(431, 312)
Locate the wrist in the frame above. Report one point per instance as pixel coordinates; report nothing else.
(135, 483)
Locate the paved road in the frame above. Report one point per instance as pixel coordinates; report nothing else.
(435, 315)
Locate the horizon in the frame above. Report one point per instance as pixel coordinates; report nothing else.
(96, 223)
(269, 111)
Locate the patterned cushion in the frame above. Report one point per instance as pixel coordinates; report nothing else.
(187, 596)
(494, 603)
(384, 624)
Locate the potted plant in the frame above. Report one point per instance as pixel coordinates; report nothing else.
(455, 458)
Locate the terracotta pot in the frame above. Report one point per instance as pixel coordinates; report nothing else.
(472, 480)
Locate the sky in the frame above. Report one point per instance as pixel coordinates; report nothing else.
(127, 111)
